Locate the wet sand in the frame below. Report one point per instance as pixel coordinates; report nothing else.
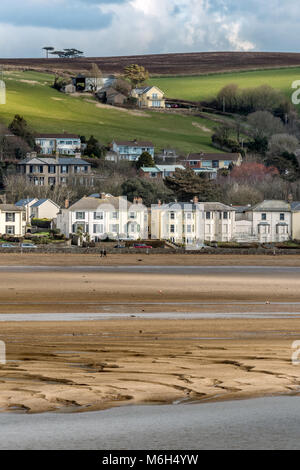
(168, 259)
(97, 364)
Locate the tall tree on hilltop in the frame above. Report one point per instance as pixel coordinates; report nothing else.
(137, 74)
(48, 49)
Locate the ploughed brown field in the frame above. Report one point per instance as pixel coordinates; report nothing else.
(89, 365)
(183, 63)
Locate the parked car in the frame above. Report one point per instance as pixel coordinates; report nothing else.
(119, 246)
(28, 245)
(7, 245)
(141, 245)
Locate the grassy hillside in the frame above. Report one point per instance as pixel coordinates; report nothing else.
(202, 87)
(46, 110)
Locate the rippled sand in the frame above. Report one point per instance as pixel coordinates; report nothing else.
(96, 364)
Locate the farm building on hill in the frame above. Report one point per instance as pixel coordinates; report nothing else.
(92, 84)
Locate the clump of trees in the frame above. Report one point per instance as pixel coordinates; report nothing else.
(146, 160)
(69, 53)
(149, 191)
(252, 172)
(136, 74)
(20, 128)
(60, 82)
(12, 146)
(93, 147)
(185, 184)
(233, 99)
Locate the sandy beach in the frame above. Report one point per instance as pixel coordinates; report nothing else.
(93, 365)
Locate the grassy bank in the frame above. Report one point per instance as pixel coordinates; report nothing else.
(30, 95)
(202, 87)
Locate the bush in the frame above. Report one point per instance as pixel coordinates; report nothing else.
(41, 223)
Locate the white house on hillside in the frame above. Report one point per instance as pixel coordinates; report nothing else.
(103, 217)
(64, 144)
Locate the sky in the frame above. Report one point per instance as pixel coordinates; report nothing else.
(128, 27)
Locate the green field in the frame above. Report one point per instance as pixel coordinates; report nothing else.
(203, 87)
(47, 110)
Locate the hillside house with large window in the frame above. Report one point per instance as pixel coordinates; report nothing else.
(149, 97)
(131, 150)
(64, 144)
(159, 171)
(210, 163)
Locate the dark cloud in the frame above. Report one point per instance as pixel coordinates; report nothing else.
(75, 14)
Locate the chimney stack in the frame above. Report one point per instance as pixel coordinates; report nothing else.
(67, 203)
(195, 199)
(139, 200)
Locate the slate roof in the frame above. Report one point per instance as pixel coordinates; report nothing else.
(54, 161)
(213, 156)
(42, 201)
(10, 208)
(141, 91)
(56, 136)
(170, 167)
(272, 206)
(93, 203)
(216, 206)
(24, 202)
(134, 143)
(295, 206)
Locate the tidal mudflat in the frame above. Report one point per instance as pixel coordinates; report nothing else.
(145, 337)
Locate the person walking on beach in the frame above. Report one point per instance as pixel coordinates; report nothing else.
(104, 253)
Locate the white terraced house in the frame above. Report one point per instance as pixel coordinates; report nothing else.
(269, 221)
(193, 222)
(12, 220)
(105, 216)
